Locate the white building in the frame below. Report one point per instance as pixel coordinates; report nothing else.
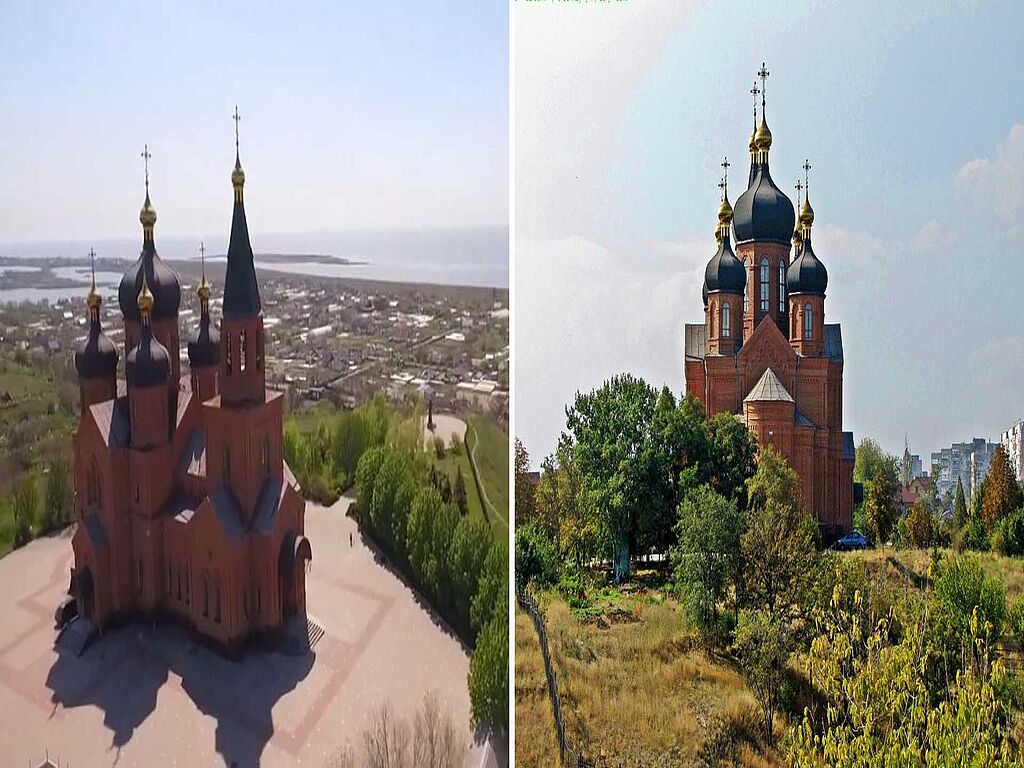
(1013, 443)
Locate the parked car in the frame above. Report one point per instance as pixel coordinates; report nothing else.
(67, 609)
(850, 542)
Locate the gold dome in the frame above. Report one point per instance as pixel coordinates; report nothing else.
(203, 291)
(797, 237)
(94, 299)
(237, 175)
(763, 137)
(725, 212)
(752, 146)
(806, 213)
(145, 297)
(147, 216)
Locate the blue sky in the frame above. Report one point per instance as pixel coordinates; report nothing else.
(354, 115)
(912, 119)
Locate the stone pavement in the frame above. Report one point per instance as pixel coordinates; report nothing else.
(148, 695)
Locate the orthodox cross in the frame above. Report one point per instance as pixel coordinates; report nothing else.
(763, 74)
(202, 258)
(725, 178)
(799, 187)
(753, 92)
(92, 264)
(236, 118)
(145, 156)
(721, 186)
(806, 166)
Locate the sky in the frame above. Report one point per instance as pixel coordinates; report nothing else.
(911, 117)
(355, 116)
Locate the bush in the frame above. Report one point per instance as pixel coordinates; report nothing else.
(1015, 622)
(536, 556)
(488, 676)
(969, 605)
(1008, 537)
(973, 536)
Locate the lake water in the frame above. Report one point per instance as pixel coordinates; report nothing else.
(476, 256)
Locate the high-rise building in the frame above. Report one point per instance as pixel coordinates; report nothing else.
(1013, 442)
(966, 462)
(764, 351)
(184, 503)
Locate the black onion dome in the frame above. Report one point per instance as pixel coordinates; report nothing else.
(204, 345)
(725, 272)
(163, 284)
(704, 293)
(763, 213)
(96, 357)
(807, 274)
(148, 364)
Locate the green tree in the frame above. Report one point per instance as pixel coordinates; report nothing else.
(441, 581)
(366, 478)
(57, 504)
(919, 525)
(778, 547)
(733, 456)
(488, 676)
(461, 499)
(868, 458)
(466, 556)
(763, 645)
(426, 507)
(611, 427)
(707, 557)
(536, 557)
(525, 490)
(390, 478)
(960, 516)
(1001, 494)
(25, 507)
(880, 505)
(491, 599)
(968, 605)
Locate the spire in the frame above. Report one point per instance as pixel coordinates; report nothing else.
(94, 300)
(806, 212)
(204, 288)
(752, 145)
(237, 175)
(763, 137)
(725, 209)
(797, 237)
(147, 216)
(241, 289)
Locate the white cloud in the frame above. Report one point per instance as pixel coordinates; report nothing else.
(933, 236)
(994, 186)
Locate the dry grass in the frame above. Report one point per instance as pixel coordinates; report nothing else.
(639, 685)
(536, 746)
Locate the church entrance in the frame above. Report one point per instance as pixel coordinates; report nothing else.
(292, 563)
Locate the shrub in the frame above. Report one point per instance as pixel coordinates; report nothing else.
(488, 676)
(1008, 538)
(969, 605)
(536, 556)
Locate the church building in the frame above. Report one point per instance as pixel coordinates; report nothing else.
(764, 351)
(183, 501)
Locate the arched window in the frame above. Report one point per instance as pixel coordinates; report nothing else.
(808, 317)
(792, 333)
(765, 277)
(227, 353)
(746, 291)
(711, 330)
(726, 324)
(782, 286)
(243, 352)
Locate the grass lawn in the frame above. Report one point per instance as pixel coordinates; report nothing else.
(450, 465)
(536, 745)
(490, 445)
(635, 681)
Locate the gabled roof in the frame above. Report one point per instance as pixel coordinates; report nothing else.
(768, 389)
(267, 505)
(695, 339)
(111, 417)
(224, 504)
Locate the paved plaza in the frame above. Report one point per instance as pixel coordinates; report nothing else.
(148, 695)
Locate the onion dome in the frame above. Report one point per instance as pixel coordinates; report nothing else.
(806, 274)
(148, 364)
(241, 290)
(96, 357)
(204, 346)
(162, 280)
(763, 213)
(725, 272)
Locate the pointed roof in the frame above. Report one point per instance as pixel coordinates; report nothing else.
(241, 290)
(768, 389)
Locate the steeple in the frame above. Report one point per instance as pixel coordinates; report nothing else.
(147, 216)
(797, 236)
(752, 146)
(96, 357)
(763, 136)
(241, 289)
(204, 344)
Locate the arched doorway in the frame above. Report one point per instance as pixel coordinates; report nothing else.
(291, 566)
(85, 593)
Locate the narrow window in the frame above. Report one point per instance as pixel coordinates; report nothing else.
(746, 291)
(140, 575)
(265, 454)
(764, 285)
(782, 286)
(792, 333)
(808, 316)
(243, 353)
(259, 350)
(711, 330)
(726, 324)
(227, 353)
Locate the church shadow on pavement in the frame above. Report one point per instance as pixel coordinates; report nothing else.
(122, 672)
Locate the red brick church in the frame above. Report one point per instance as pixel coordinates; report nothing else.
(184, 504)
(764, 351)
